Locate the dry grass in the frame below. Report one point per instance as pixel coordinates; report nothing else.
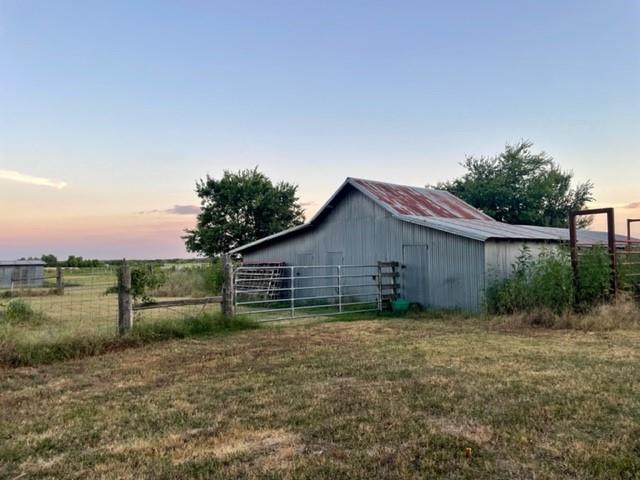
(621, 314)
(367, 399)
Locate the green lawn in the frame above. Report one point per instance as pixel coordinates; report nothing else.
(362, 399)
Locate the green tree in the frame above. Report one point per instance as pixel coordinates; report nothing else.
(240, 208)
(50, 260)
(519, 186)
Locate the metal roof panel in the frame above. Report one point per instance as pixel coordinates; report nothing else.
(424, 202)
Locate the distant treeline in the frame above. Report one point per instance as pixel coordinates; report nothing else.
(73, 261)
(79, 262)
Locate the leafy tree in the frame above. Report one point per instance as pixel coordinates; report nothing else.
(240, 208)
(519, 186)
(50, 260)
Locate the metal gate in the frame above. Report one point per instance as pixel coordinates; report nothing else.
(274, 291)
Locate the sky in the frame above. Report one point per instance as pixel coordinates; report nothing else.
(110, 111)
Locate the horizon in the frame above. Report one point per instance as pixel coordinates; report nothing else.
(111, 112)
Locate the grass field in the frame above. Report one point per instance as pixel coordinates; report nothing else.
(85, 310)
(392, 398)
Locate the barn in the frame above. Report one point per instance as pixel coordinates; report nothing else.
(21, 273)
(448, 250)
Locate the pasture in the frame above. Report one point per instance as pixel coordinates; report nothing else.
(88, 309)
(392, 398)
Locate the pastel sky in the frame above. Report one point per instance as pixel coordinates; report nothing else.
(109, 111)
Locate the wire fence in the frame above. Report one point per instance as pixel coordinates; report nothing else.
(52, 304)
(41, 307)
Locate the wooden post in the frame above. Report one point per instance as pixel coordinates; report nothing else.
(125, 301)
(611, 241)
(228, 304)
(59, 280)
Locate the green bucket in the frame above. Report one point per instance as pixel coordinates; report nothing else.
(400, 306)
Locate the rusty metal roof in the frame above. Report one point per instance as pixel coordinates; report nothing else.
(439, 210)
(422, 202)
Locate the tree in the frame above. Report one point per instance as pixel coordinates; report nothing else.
(240, 208)
(519, 186)
(50, 260)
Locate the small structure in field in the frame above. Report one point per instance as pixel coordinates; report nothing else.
(449, 252)
(21, 273)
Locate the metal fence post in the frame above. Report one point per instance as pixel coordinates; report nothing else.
(293, 291)
(125, 301)
(228, 306)
(379, 282)
(59, 280)
(339, 288)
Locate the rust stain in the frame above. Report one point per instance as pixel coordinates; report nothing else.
(422, 202)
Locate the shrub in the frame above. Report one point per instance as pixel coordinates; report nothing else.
(144, 278)
(544, 282)
(200, 280)
(593, 281)
(19, 311)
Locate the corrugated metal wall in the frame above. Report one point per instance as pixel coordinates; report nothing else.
(21, 275)
(364, 233)
(501, 255)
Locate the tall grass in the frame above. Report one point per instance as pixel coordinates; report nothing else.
(192, 281)
(546, 282)
(20, 350)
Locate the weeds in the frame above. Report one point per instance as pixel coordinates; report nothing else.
(20, 351)
(544, 286)
(18, 311)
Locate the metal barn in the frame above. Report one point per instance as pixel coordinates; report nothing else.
(448, 250)
(21, 273)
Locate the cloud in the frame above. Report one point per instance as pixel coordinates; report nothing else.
(14, 176)
(176, 210)
(184, 210)
(632, 205)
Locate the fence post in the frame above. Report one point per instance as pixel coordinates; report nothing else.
(379, 281)
(59, 280)
(339, 289)
(125, 301)
(292, 289)
(228, 307)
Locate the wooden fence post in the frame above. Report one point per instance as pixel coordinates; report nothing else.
(125, 301)
(228, 306)
(59, 280)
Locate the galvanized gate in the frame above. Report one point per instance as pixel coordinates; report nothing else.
(275, 291)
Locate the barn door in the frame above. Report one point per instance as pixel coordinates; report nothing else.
(415, 273)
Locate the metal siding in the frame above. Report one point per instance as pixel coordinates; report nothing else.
(501, 255)
(23, 274)
(414, 280)
(367, 233)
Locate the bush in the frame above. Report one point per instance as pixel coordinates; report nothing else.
(197, 281)
(19, 311)
(593, 282)
(144, 278)
(544, 282)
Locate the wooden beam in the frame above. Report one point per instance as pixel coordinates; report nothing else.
(177, 303)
